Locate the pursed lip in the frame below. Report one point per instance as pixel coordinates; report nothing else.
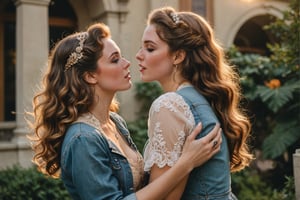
(127, 75)
(142, 68)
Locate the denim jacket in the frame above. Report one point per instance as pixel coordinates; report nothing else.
(92, 167)
(211, 181)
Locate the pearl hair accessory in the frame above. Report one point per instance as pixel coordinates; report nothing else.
(175, 18)
(77, 54)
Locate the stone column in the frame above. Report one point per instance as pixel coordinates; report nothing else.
(32, 45)
(296, 163)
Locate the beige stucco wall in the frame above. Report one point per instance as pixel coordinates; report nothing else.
(230, 15)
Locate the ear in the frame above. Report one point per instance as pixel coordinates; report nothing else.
(179, 56)
(90, 78)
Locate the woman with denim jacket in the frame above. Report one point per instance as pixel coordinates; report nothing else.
(77, 134)
(180, 52)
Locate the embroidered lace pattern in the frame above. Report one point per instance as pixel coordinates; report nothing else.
(170, 121)
(136, 163)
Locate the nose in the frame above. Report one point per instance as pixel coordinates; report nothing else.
(126, 63)
(138, 55)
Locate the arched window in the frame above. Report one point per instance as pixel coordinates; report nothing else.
(252, 38)
(62, 20)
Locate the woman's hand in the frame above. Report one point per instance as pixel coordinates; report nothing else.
(196, 152)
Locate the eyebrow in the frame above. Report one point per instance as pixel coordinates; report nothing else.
(149, 41)
(114, 53)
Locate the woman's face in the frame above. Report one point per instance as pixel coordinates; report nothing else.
(113, 70)
(155, 60)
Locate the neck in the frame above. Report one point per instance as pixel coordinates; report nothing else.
(102, 117)
(171, 86)
(101, 107)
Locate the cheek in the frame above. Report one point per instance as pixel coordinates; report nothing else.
(110, 78)
(161, 63)
(109, 72)
(155, 60)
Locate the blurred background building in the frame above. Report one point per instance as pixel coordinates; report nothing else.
(30, 28)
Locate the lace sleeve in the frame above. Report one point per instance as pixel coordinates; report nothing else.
(170, 121)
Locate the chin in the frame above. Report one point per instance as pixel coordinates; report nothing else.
(128, 86)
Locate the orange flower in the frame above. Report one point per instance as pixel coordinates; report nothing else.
(273, 84)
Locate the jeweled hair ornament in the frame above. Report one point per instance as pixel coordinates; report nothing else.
(175, 17)
(77, 54)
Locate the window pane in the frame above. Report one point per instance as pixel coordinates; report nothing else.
(9, 71)
(199, 7)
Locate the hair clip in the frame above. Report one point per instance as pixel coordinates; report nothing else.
(75, 56)
(175, 17)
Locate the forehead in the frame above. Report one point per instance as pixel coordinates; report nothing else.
(151, 35)
(110, 47)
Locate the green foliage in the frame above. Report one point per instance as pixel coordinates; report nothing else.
(284, 135)
(138, 131)
(272, 85)
(278, 97)
(288, 192)
(287, 29)
(249, 185)
(273, 100)
(147, 93)
(17, 183)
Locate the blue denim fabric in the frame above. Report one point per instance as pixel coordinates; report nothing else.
(92, 167)
(211, 180)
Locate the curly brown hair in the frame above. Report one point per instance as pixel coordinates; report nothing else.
(65, 95)
(206, 68)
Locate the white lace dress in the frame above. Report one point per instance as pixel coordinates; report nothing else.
(170, 122)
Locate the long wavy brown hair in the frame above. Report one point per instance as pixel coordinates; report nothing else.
(206, 68)
(64, 96)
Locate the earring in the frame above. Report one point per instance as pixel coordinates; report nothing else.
(174, 72)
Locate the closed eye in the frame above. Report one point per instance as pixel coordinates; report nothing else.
(115, 60)
(150, 49)
(115, 57)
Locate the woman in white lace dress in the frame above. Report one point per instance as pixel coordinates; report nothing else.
(180, 52)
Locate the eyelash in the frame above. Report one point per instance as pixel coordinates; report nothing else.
(115, 60)
(150, 49)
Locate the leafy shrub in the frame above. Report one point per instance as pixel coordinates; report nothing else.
(17, 183)
(249, 185)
